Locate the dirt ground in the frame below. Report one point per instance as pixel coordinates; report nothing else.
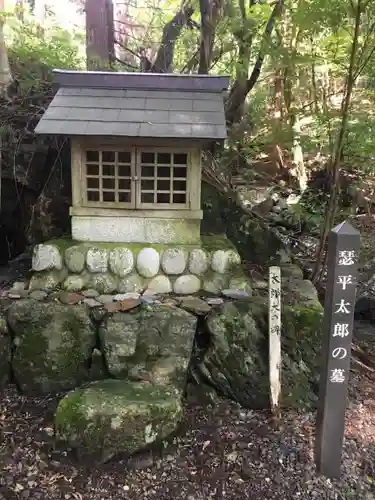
(222, 452)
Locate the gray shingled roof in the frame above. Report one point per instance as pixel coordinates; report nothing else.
(82, 107)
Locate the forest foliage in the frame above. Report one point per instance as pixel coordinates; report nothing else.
(302, 72)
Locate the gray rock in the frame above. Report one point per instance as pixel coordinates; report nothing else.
(125, 296)
(236, 363)
(214, 283)
(198, 262)
(224, 261)
(116, 416)
(47, 280)
(105, 299)
(214, 301)
(187, 284)
(51, 346)
(297, 291)
(97, 260)
(119, 335)
(104, 283)
(131, 284)
(75, 258)
(240, 284)
(195, 305)
(235, 294)
(46, 258)
(145, 337)
(90, 302)
(121, 261)
(38, 295)
(173, 261)
(159, 284)
(90, 293)
(291, 271)
(73, 283)
(148, 262)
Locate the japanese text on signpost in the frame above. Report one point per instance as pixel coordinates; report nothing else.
(343, 248)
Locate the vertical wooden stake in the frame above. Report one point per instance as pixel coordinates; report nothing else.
(275, 336)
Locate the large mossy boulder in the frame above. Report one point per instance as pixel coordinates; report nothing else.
(110, 417)
(52, 345)
(5, 352)
(236, 363)
(152, 342)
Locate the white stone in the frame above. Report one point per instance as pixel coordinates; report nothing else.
(131, 284)
(223, 260)
(103, 283)
(148, 262)
(121, 261)
(187, 284)
(125, 296)
(159, 284)
(198, 261)
(75, 257)
(215, 283)
(136, 230)
(173, 261)
(97, 260)
(46, 257)
(73, 283)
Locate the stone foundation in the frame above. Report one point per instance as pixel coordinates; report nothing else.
(136, 230)
(154, 269)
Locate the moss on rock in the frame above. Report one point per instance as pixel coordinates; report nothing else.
(52, 344)
(236, 363)
(115, 416)
(153, 340)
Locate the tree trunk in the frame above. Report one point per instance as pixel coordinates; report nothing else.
(5, 73)
(334, 166)
(240, 90)
(172, 30)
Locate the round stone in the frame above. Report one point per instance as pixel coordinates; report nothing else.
(121, 261)
(173, 261)
(148, 262)
(75, 258)
(187, 284)
(198, 261)
(103, 283)
(159, 284)
(132, 283)
(224, 260)
(73, 283)
(215, 283)
(46, 281)
(97, 260)
(46, 257)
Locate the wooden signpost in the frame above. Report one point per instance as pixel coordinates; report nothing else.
(342, 263)
(274, 322)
